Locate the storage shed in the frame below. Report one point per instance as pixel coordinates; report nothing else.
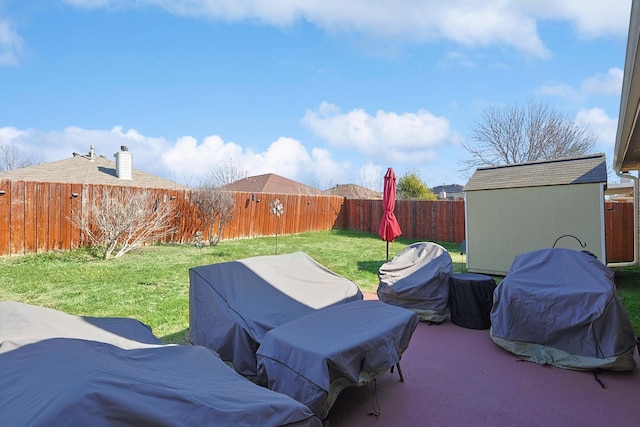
(523, 207)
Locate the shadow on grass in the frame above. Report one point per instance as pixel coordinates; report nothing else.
(370, 266)
(181, 337)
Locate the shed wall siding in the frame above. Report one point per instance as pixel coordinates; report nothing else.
(504, 223)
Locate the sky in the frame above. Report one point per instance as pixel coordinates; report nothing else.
(323, 92)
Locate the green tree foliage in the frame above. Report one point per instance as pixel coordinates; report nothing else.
(410, 186)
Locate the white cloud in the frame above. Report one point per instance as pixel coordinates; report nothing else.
(404, 138)
(468, 23)
(10, 135)
(56, 145)
(590, 18)
(458, 59)
(11, 44)
(609, 83)
(371, 176)
(602, 126)
(186, 160)
(562, 90)
(604, 84)
(189, 161)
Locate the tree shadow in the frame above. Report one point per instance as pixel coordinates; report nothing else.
(370, 266)
(181, 337)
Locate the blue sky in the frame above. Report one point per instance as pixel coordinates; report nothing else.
(323, 92)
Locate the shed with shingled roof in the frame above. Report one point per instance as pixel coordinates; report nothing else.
(518, 208)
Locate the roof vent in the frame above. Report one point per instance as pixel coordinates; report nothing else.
(124, 163)
(92, 153)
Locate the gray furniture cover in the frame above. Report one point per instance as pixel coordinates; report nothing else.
(417, 278)
(232, 305)
(50, 377)
(313, 358)
(559, 307)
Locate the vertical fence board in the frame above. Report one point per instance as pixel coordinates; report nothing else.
(42, 216)
(5, 217)
(65, 218)
(55, 215)
(75, 210)
(30, 218)
(17, 217)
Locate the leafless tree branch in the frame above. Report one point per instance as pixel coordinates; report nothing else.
(11, 158)
(515, 134)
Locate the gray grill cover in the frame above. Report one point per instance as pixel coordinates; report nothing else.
(559, 307)
(49, 377)
(417, 278)
(232, 305)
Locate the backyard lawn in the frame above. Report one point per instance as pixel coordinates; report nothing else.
(152, 283)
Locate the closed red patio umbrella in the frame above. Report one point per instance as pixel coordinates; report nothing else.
(389, 227)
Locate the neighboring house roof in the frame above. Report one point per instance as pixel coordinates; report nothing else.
(453, 191)
(270, 183)
(88, 169)
(353, 191)
(450, 188)
(574, 170)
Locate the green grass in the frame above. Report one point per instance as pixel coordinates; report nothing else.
(628, 285)
(152, 283)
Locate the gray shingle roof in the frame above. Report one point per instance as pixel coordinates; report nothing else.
(574, 170)
(81, 169)
(270, 183)
(353, 191)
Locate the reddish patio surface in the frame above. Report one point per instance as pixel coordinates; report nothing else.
(458, 377)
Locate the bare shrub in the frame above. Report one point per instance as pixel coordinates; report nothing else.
(120, 223)
(215, 209)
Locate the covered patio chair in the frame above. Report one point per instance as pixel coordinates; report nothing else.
(417, 278)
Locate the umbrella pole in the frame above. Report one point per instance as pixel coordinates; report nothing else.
(387, 250)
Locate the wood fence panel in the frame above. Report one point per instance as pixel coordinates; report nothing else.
(402, 211)
(66, 200)
(5, 217)
(30, 217)
(459, 222)
(619, 231)
(611, 217)
(43, 200)
(245, 218)
(75, 210)
(55, 214)
(422, 220)
(17, 217)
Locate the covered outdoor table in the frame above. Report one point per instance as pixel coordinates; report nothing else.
(471, 300)
(313, 358)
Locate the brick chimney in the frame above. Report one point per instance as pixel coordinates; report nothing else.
(124, 163)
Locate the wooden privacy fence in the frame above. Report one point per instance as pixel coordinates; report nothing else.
(35, 217)
(441, 221)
